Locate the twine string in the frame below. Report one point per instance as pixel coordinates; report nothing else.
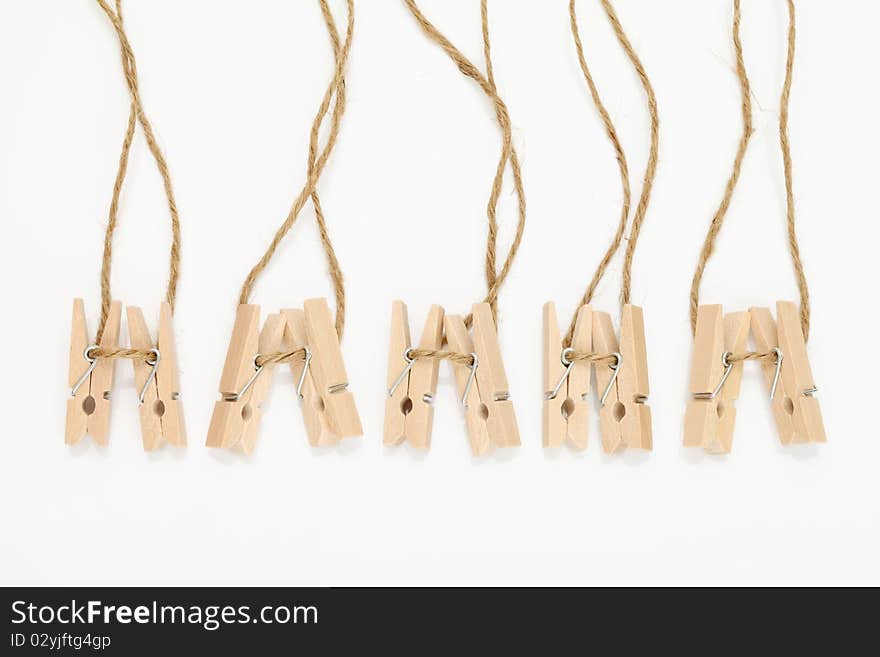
(650, 167)
(752, 355)
(718, 218)
(115, 353)
(317, 160)
(785, 146)
(494, 278)
(591, 357)
(136, 111)
(295, 356)
(442, 354)
(336, 276)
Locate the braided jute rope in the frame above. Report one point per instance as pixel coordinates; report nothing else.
(650, 167)
(718, 219)
(317, 160)
(136, 112)
(494, 278)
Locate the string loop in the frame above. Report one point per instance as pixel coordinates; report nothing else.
(317, 160)
(136, 114)
(721, 212)
(650, 167)
(494, 278)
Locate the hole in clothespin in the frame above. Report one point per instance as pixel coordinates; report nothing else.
(484, 411)
(89, 405)
(319, 404)
(789, 406)
(720, 409)
(618, 411)
(567, 408)
(406, 406)
(246, 412)
(159, 408)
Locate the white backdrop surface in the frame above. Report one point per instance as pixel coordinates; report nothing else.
(231, 89)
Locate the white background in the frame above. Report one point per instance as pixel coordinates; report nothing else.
(231, 88)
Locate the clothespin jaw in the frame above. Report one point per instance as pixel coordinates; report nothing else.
(327, 370)
(412, 384)
(566, 383)
(244, 386)
(624, 416)
(715, 381)
(795, 407)
(159, 405)
(91, 381)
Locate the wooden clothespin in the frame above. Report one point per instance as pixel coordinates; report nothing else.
(318, 428)
(566, 410)
(412, 384)
(244, 385)
(328, 405)
(91, 380)
(715, 380)
(795, 407)
(485, 394)
(160, 409)
(624, 415)
(476, 413)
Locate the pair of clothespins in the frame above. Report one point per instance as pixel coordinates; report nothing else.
(91, 379)
(482, 382)
(328, 406)
(624, 416)
(715, 379)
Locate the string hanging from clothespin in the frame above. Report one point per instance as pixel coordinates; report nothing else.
(469, 343)
(307, 339)
(720, 340)
(590, 341)
(92, 361)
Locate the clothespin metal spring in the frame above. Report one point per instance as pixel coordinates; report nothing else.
(778, 352)
(258, 369)
(154, 364)
(302, 376)
(618, 361)
(92, 363)
(475, 362)
(409, 363)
